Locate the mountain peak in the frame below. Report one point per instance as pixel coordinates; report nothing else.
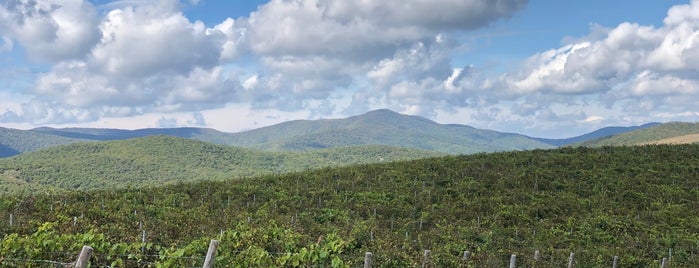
(390, 117)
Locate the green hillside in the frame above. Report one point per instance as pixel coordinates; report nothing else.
(646, 135)
(582, 200)
(15, 141)
(155, 160)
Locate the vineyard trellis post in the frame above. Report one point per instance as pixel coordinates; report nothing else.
(426, 259)
(571, 261)
(210, 254)
(467, 256)
(615, 262)
(84, 257)
(367, 259)
(513, 261)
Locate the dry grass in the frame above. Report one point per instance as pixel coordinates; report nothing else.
(684, 139)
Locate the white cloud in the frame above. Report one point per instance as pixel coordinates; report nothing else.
(146, 40)
(594, 118)
(318, 48)
(150, 58)
(319, 57)
(286, 27)
(235, 37)
(50, 30)
(633, 69)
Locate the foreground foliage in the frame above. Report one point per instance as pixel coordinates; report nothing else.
(634, 202)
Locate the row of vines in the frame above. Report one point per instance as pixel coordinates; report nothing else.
(634, 202)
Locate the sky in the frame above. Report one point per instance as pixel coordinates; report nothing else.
(543, 68)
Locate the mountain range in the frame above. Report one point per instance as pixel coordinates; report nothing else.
(379, 127)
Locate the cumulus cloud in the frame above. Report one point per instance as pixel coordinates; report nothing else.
(147, 40)
(636, 69)
(628, 52)
(630, 73)
(137, 57)
(50, 30)
(146, 57)
(316, 48)
(322, 26)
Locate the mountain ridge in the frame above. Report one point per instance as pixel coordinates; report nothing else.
(599, 133)
(377, 127)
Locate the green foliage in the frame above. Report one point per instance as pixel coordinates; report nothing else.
(158, 160)
(634, 202)
(243, 246)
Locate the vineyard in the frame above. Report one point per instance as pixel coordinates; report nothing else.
(637, 203)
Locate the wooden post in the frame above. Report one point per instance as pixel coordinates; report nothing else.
(367, 260)
(210, 254)
(669, 256)
(570, 260)
(426, 259)
(84, 257)
(466, 257)
(143, 240)
(537, 257)
(513, 261)
(11, 218)
(615, 262)
(663, 263)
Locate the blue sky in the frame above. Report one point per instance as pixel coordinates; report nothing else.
(543, 68)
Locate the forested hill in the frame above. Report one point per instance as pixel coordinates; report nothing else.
(15, 141)
(673, 132)
(383, 127)
(636, 202)
(106, 134)
(157, 160)
(379, 127)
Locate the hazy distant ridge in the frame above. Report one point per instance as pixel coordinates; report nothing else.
(600, 133)
(379, 127)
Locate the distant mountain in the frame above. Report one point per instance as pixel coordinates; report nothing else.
(662, 133)
(15, 141)
(106, 134)
(382, 127)
(600, 133)
(156, 160)
(379, 127)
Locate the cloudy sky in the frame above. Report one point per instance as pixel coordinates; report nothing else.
(547, 68)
